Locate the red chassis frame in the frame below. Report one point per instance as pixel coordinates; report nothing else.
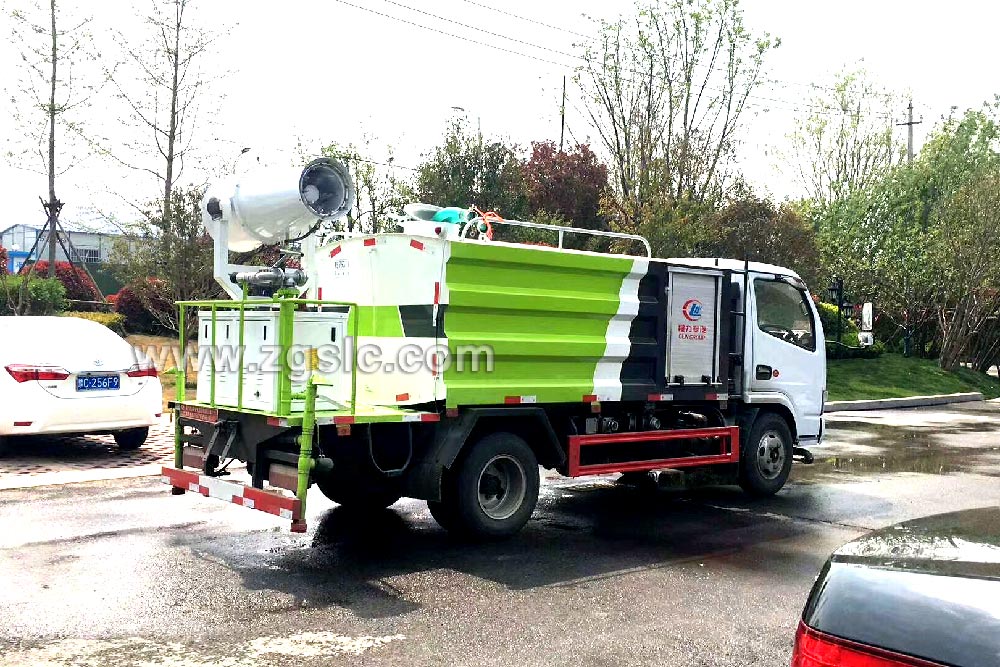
(729, 450)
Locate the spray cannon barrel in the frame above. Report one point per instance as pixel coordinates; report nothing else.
(271, 278)
(269, 206)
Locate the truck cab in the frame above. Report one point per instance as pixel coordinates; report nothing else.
(784, 358)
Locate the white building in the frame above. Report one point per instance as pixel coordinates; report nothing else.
(90, 247)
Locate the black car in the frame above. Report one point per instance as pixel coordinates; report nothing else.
(924, 593)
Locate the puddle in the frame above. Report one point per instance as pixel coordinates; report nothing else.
(863, 446)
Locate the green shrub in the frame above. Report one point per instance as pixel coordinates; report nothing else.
(45, 296)
(828, 316)
(835, 350)
(113, 321)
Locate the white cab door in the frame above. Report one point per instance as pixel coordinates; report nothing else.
(788, 356)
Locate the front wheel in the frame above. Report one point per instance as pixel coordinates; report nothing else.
(131, 439)
(493, 490)
(766, 456)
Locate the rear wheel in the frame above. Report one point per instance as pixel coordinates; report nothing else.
(766, 456)
(133, 438)
(357, 491)
(493, 489)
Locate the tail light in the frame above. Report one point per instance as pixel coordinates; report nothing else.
(28, 372)
(143, 370)
(818, 649)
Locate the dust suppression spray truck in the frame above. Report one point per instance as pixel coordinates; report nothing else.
(449, 362)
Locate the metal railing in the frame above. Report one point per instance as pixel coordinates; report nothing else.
(286, 331)
(474, 224)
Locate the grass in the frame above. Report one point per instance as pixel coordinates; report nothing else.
(896, 376)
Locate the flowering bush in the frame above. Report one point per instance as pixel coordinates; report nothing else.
(78, 284)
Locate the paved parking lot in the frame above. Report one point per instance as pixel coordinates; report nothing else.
(50, 460)
(121, 573)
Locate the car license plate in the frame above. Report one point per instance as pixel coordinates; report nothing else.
(98, 383)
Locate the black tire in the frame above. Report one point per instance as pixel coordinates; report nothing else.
(766, 456)
(357, 492)
(132, 439)
(3, 445)
(493, 490)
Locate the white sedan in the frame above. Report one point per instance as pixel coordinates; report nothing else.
(68, 375)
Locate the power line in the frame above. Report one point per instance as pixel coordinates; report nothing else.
(591, 38)
(820, 108)
(530, 20)
(482, 30)
(449, 34)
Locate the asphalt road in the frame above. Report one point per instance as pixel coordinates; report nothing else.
(122, 573)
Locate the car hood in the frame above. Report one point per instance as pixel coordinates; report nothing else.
(963, 544)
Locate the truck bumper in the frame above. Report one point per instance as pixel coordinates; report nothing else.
(272, 502)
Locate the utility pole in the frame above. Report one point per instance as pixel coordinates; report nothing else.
(909, 130)
(562, 113)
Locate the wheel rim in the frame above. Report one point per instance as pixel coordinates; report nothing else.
(503, 485)
(770, 455)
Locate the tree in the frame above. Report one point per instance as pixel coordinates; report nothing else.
(170, 262)
(846, 144)
(755, 229)
(665, 90)
(569, 184)
(464, 170)
(160, 87)
(52, 93)
(379, 191)
(968, 274)
(894, 241)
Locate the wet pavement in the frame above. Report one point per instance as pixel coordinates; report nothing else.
(118, 572)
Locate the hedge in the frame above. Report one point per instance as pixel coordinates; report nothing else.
(138, 319)
(113, 321)
(78, 284)
(46, 296)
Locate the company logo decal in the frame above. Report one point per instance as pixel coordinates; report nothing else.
(692, 310)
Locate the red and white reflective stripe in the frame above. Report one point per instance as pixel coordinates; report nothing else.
(716, 397)
(343, 420)
(518, 400)
(660, 397)
(22, 423)
(277, 421)
(434, 365)
(590, 398)
(369, 242)
(335, 251)
(271, 502)
(437, 293)
(418, 417)
(416, 244)
(402, 397)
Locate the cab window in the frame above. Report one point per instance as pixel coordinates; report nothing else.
(783, 312)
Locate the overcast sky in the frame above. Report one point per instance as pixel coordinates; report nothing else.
(327, 71)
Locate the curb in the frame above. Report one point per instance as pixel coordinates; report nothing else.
(908, 402)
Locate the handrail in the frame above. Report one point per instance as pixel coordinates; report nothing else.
(286, 323)
(472, 224)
